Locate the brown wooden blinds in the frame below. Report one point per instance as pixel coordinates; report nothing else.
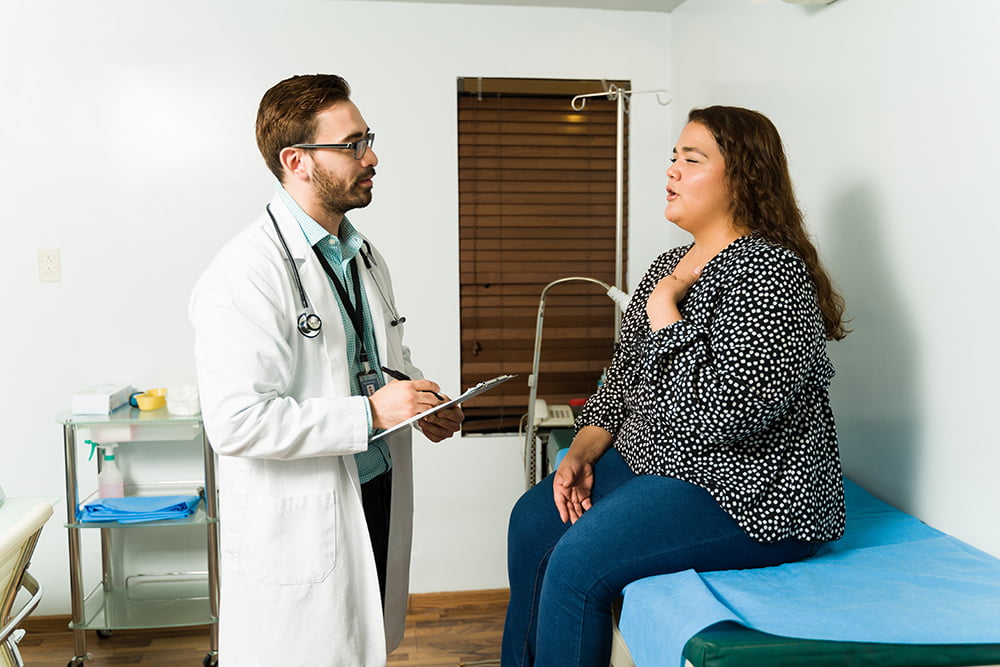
(536, 203)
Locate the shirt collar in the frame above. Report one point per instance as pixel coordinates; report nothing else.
(350, 240)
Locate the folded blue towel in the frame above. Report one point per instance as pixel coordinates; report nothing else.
(135, 509)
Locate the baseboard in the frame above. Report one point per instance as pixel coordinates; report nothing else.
(417, 602)
(448, 599)
(40, 624)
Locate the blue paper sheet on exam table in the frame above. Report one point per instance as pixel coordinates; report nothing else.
(891, 579)
(136, 509)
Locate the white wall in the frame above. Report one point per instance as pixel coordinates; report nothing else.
(127, 129)
(127, 135)
(888, 110)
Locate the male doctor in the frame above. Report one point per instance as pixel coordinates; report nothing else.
(294, 321)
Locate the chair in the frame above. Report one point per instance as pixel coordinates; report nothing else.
(18, 537)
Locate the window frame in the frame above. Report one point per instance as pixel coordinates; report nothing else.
(520, 230)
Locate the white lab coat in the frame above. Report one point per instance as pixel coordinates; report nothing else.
(298, 579)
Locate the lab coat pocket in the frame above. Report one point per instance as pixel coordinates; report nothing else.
(292, 540)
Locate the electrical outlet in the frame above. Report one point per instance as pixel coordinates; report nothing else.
(49, 265)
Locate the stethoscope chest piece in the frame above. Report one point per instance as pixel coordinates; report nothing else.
(309, 324)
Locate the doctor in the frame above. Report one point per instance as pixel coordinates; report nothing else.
(293, 321)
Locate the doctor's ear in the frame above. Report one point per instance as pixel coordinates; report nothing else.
(294, 162)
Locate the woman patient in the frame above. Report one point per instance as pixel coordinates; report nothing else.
(712, 444)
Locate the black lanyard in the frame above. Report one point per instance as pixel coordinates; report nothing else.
(354, 314)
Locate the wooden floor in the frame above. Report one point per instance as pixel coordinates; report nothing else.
(442, 630)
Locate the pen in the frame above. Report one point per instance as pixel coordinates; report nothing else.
(406, 378)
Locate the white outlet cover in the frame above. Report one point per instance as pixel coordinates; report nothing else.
(49, 265)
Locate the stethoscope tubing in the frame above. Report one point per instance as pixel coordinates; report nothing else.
(308, 322)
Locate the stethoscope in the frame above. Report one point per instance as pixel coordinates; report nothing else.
(308, 322)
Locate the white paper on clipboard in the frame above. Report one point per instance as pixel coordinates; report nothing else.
(472, 392)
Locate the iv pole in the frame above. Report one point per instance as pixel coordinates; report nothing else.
(614, 93)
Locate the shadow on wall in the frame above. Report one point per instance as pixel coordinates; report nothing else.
(874, 394)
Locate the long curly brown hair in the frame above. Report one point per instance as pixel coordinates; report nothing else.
(763, 197)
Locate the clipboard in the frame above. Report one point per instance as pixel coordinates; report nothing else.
(471, 392)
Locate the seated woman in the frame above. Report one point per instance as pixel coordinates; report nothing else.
(712, 444)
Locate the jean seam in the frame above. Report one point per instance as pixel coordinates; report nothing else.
(535, 589)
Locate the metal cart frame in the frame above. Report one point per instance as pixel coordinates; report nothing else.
(130, 417)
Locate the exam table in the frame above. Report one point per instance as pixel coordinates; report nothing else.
(892, 591)
(21, 521)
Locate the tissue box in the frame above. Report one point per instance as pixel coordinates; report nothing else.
(101, 399)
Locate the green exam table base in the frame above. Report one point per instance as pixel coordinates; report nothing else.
(732, 645)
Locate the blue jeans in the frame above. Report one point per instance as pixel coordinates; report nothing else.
(565, 577)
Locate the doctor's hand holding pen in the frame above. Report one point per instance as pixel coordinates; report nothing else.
(402, 399)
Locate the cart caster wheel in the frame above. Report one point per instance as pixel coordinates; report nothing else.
(210, 661)
(104, 634)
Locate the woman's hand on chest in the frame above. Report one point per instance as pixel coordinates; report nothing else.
(661, 306)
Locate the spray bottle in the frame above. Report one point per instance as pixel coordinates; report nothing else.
(110, 482)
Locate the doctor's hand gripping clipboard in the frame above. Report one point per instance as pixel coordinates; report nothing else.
(471, 392)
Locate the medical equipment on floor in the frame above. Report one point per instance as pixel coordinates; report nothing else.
(578, 103)
(308, 322)
(110, 481)
(620, 299)
(623, 99)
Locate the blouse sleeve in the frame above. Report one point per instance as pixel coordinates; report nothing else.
(730, 368)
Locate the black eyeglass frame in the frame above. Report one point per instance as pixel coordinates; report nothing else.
(360, 147)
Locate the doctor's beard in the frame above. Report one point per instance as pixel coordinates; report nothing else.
(337, 195)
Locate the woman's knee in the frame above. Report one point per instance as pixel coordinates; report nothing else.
(534, 524)
(580, 572)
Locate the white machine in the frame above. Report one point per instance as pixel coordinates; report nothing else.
(552, 416)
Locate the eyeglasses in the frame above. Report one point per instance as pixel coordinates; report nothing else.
(360, 147)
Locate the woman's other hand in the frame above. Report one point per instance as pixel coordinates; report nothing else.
(574, 478)
(571, 487)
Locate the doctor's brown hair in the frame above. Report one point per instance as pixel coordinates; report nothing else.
(763, 197)
(287, 113)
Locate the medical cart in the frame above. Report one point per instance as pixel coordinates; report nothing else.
(157, 574)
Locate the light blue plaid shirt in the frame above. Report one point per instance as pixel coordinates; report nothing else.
(339, 252)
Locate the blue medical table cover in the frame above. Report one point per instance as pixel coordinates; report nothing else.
(136, 509)
(890, 579)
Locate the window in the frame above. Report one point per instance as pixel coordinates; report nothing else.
(537, 190)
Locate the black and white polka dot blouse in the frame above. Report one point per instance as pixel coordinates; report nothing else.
(734, 397)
